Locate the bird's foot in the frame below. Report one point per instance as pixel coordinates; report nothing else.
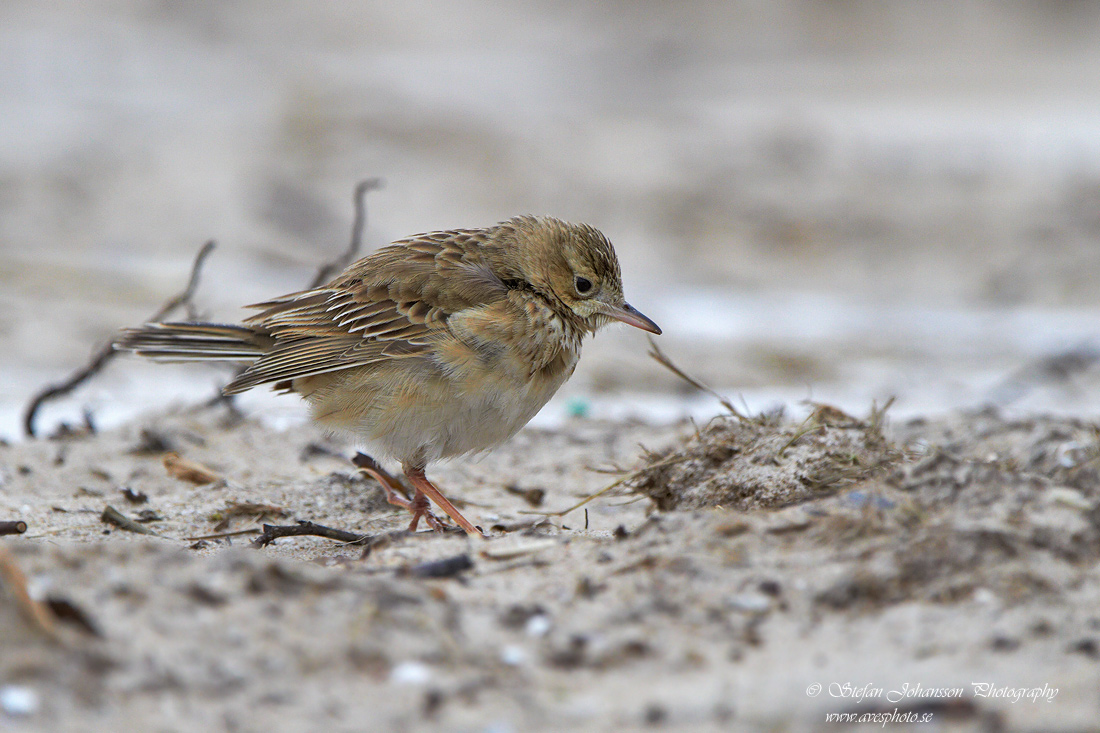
(395, 493)
(420, 507)
(424, 486)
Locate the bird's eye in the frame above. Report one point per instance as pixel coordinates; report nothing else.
(582, 284)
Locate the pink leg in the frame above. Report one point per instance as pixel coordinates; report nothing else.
(395, 493)
(424, 487)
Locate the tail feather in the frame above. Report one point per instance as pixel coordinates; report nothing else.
(195, 342)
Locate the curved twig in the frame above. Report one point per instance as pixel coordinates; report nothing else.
(107, 352)
(661, 358)
(327, 270)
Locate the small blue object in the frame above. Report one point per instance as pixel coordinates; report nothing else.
(578, 407)
(860, 498)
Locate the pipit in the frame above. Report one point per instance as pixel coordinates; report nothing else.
(442, 344)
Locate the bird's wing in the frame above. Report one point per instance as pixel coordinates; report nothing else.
(392, 304)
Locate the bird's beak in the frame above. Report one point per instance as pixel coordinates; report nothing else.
(629, 315)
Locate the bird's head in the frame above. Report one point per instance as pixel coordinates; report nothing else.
(577, 266)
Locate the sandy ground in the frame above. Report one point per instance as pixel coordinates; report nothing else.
(961, 552)
(845, 202)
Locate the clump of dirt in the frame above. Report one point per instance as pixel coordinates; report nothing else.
(761, 461)
(945, 562)
(976, 448)
(970, 505)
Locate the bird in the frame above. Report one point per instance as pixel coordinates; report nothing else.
(441, 344)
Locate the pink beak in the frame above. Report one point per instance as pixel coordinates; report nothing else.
(629, 315)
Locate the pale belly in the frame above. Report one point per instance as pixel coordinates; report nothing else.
(418, 415)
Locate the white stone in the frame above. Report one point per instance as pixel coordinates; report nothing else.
(411, 673)
(538, 625)
(16, 700)
(513, 655)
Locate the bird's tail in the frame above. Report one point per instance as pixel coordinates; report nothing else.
(195, 342)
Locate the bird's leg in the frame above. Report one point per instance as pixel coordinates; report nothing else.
(395, 492)
(415, 474)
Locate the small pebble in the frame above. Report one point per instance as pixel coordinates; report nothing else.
(513, 655)
(411, 673)
(537, 625)
(1089, 647)
(771, 588)
(19, 701)
(750, 602)
(655, 714)
(1072, 498)
(1002, 643)
(985, 596)
(1066, 453)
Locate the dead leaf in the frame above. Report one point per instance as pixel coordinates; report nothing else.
(252, 508)
(187, 470)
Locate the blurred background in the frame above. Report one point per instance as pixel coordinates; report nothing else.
(838, 201)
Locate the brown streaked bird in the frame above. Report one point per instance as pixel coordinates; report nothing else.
(438, 345)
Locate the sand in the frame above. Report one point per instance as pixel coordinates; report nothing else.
(966, 557)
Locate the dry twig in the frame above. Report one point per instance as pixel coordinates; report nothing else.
(105, 353)
(358, 226)
(661, 358)
(17, 526)
(113, 516)
(326, 271)
(303, 528)
(615, 484)
(35, 612)
(223, 535)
